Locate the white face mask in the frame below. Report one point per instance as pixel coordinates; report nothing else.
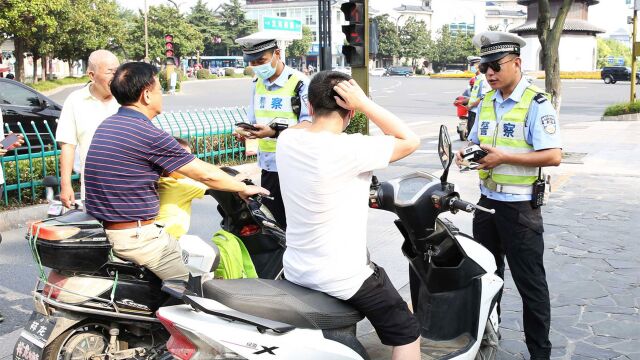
(265, 71)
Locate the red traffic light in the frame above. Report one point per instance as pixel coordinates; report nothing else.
(169, 53)
(168, 46)
(353, 11)
(168, 38)
(354, 34)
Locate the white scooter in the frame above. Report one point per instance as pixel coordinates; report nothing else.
(453, 286)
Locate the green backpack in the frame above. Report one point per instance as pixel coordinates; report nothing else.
(235, 262)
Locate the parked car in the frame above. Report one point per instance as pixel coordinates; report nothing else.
(612, 74)
(23, 105)
(399, 71)
(377, 72)
(343, 69)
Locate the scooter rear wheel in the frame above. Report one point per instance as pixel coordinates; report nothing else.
(75, 344)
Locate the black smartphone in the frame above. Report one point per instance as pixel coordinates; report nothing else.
(9, 140)
(247, 126)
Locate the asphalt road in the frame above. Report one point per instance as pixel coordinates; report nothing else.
(424, 103)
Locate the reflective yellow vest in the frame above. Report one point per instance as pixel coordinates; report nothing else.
(508, 134)
(477, 86)
(270, 106)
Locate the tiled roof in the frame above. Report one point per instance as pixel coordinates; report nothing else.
(569, 25)
(500, 12)
(413, 8)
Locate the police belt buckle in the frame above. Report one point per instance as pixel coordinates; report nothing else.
(490, 184)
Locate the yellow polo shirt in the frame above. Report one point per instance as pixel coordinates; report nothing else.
(175, 203)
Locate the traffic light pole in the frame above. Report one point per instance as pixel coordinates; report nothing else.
(634, 53)
(361, 74)
(324, 34)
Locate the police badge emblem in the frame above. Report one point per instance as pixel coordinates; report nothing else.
(549, 124)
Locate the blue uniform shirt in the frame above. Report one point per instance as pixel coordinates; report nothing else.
(542, 130)
(267, 161)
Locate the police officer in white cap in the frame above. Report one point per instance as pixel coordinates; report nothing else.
(517, 126)
(279, 100)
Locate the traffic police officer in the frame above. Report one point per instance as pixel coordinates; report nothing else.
(518, 127)
(279, 96)
(479, 88)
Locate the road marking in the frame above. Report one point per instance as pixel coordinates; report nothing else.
(11, 295)
(452, 92)
(19, 308)
(577, 87)
(433, 142)
(425, 151)
(381, 96)
(418, 94)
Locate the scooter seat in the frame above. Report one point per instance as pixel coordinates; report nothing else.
(281, 300)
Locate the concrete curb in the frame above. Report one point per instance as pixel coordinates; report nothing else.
(14, 219)
(625, 117)
(60, 88)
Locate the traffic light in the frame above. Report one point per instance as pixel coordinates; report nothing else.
(168, 46)
(355, 32)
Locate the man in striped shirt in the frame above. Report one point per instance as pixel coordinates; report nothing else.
(125, 160)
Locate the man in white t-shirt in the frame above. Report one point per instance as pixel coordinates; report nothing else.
(81, 114)
(325, 176)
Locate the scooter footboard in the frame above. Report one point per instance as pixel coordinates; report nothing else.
(450, 314)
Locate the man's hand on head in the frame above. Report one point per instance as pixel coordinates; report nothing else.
(351, 96)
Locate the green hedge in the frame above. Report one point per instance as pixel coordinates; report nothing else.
(52, 84)
(248, 71)
(623, 109)
(358, 124)
(33, 173)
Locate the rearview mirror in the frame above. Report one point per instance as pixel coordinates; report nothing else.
(444, 152)
(444, 148)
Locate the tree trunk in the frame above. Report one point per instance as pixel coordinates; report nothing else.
(43, 65)
(19, 54)
(550, 41)
(70, 63)
(35, 69)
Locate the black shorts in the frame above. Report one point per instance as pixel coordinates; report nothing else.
(389, 314)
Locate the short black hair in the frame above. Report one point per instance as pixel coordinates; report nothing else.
(321, 93)
(130, 80)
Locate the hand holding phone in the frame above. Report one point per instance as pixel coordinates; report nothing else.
(10, 141)
(247, 126)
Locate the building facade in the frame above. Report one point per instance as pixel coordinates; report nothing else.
(307, 12)
(503, 15)
(578, 45)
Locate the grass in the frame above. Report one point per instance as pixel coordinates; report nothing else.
(623, 109)
(52, 84)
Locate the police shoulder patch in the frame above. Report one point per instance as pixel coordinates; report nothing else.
(540, 98)
(549, 124)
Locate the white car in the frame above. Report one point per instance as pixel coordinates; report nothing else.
(377, 72)
(342, 69)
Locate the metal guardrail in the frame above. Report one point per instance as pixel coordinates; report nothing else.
(207, 130)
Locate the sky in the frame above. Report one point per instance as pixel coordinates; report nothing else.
(608, 14)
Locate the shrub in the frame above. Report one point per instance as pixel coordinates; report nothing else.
(248, 71)
(27, 174)
(590, 75)
(358, 124)
(203, 74)
(623, 109)
(464, 75)
(229, 72)
(420, 71)
(165, 84)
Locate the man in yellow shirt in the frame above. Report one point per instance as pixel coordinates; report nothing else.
(176, 194)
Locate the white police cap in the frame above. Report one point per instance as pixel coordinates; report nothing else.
(473, 59)
(254, 45)
(495, 45)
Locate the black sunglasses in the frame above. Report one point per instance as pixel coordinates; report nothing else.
(494, 65)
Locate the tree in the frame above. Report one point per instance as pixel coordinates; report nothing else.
(204, 19)
(300, 48)
(389, 39)
(414, 39)
(550, 41)
(612, 47)
(163, 20)
(25, 20)
(236, 25)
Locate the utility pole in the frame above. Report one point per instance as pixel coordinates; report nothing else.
(146, 34)
(324, 34)
(634, 64)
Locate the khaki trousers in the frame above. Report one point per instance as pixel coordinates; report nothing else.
(152, 247)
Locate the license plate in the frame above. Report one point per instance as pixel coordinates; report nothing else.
(33, 337)
(55, 209)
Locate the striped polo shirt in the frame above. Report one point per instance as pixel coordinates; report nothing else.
(125, 160)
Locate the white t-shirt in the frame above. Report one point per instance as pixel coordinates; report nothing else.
(325, 180)
(81, 115)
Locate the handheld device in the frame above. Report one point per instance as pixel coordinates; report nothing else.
(247, 126)
(9, 140)
(473, 153)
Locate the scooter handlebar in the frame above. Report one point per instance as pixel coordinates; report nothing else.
(459, 204)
